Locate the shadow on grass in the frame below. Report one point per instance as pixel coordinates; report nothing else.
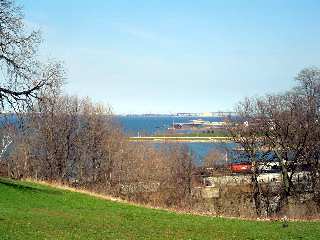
(22, 187)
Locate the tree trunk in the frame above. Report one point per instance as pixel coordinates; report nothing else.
(286, 183)
(256, 189)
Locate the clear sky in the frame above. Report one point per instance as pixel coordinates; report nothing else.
(162, 56)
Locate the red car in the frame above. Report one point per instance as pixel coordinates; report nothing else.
(240, 168)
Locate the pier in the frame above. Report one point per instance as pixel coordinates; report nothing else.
(196, 124)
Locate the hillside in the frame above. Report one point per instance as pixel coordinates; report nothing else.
(37, 211)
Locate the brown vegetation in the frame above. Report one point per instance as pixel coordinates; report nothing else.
(283, 128)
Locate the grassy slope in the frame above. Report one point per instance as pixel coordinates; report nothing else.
(35, 211)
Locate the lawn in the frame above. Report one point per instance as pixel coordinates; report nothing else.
(37, 211)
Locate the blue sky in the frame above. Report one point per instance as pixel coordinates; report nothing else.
(163, 56)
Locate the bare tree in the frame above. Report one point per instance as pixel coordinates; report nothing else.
(101, 136)
(68, 140)
(245, 130)
(178, 176)
(7, 136)
(283, 127)
(23, 76)
(286, 125)
(138, 171)
(308, 91)
(157, 176)
(216, 162)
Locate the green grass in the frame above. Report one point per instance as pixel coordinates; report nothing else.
(36, 211)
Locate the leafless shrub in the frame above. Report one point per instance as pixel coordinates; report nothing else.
(66, 140)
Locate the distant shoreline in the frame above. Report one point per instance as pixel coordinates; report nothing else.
(204, 115)
(181, 139)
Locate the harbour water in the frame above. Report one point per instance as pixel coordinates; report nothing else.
(135, 125)
(138, 125)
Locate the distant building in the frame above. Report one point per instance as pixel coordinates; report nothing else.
(207, 115)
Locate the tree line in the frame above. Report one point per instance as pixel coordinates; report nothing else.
(284, 128)
(76, 142)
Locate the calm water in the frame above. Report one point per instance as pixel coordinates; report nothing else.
(135, 125)
(152, 125)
